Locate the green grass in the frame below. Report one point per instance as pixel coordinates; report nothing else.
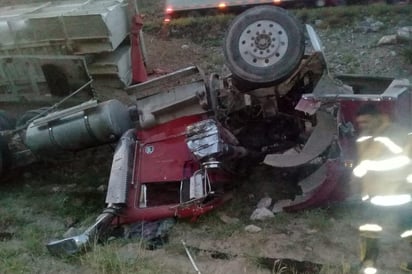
(318, 219)
(151, 9)
(11, 260)
(213, 226)
(28, 202)
(122, 258)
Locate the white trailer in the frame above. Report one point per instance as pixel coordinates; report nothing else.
(50, 49)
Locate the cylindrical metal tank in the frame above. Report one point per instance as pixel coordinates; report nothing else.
(78, 128)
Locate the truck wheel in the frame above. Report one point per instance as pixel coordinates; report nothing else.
(6, 121)
(263, 46)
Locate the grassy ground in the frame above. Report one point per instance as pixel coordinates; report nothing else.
(331, 17)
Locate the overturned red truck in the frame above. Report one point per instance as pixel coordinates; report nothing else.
(180, 146)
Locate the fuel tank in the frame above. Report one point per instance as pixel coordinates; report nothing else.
(87, 125)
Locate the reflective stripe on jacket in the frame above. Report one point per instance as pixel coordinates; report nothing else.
(384, 161)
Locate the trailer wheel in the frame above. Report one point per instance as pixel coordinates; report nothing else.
(263, 46)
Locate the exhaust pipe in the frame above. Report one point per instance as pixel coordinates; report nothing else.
(76, 244)
(116, 196)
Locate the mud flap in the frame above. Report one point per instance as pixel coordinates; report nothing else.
(318, 142)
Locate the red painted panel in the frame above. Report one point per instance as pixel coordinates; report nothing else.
(164, 160)
(163, 153)
(162, 156)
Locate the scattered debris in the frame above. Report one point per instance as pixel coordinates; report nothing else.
(311, 231)
(252, 229)
(298, 266)
(265, 202)
(102, 188)
(404, 34)
(155, 234)
(191, 258)
(261, 214)
(308, 248)
(369, 25)
(388, 40)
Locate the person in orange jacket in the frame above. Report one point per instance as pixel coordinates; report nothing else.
(384, 171)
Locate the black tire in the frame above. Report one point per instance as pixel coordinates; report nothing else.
(6, 121)
(263, 46)
(30, 114)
